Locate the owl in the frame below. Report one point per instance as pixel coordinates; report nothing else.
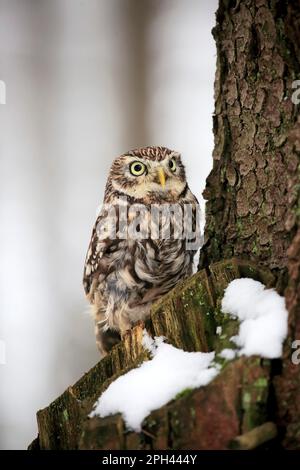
(139, 244)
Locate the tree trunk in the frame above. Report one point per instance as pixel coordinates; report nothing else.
(252, 192)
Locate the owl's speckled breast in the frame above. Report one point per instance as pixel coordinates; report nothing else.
(127, 269)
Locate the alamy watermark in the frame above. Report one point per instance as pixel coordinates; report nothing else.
(296, 94)
(296, 354)
(2, 352)
(2, 343)
(2, 92)
(123, 220)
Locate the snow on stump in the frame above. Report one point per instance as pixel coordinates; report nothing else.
(206, 418)
(190, 318)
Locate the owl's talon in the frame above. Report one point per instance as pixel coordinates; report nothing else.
(125, 333)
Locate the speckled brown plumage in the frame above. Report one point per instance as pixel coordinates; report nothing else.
(124, 276)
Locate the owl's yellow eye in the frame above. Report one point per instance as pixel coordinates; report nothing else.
(172, 164)
(137, 168)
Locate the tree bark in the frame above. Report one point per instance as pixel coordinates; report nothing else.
(252, 192)
(252, 183)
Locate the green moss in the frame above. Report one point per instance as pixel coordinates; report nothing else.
(66, 415)
(261, 382)
(255, 249)
(239, 225)
(246, 400)
(185, 393)
(230, 327)
(151, 423)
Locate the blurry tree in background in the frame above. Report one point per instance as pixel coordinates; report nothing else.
(252, 193)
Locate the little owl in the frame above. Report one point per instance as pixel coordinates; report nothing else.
(126, 270)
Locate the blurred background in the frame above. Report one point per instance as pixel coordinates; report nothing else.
(85, 80)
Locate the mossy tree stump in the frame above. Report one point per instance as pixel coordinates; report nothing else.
(234, 402)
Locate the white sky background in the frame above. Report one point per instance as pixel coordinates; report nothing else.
(86, 80)
(180, 79)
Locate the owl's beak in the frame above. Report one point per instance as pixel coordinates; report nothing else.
(161, 176)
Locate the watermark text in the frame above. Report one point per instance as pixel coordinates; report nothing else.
(2, 92)
(2, 353)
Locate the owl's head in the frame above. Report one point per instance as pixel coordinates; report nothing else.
(148, 174)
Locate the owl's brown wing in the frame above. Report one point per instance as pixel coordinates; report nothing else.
(97, 258)
(193, 229)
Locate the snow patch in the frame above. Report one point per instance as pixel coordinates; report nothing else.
(155, 382)
(263, 328)
(263, 317)
(151, 344)
(228, 354)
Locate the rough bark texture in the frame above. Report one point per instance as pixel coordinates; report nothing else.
(237, 401)
(288, 384)
(253, 190)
